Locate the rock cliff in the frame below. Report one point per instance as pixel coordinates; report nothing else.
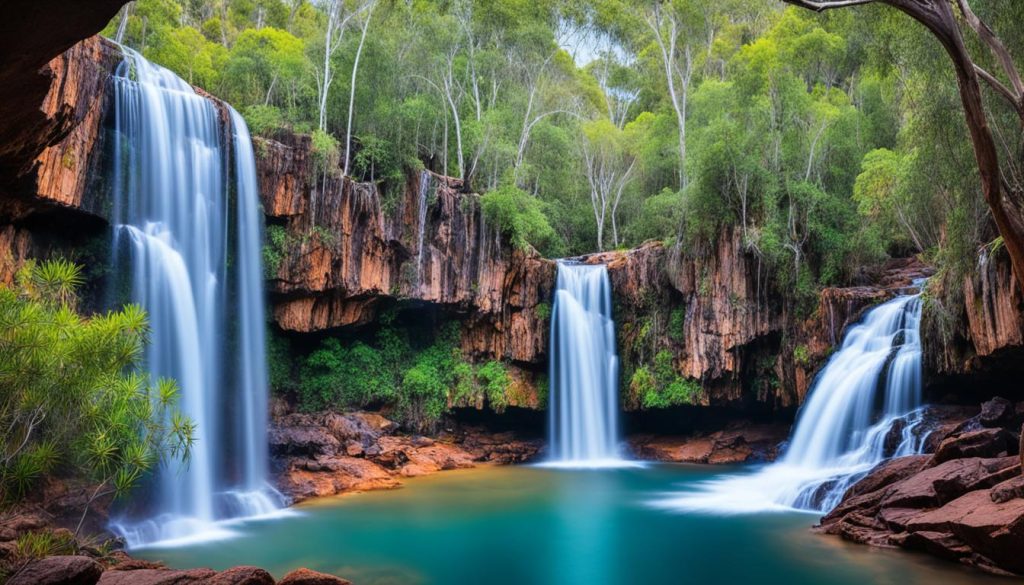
(975, 328)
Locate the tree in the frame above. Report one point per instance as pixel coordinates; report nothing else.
(609, 167)
(71, 397)
(334, 31)
(1002, 188)
(368, 7)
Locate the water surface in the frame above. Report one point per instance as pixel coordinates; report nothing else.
(529, 525)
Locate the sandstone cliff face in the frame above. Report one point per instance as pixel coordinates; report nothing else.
(33, 37)
(47, 188)
(348, 249)
(979, 333)
(708, 309)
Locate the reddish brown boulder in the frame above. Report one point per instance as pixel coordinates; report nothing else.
(308, 577)
(241, 576)
(980, 443)
(950, 480)
(998, 412)
(61, 570)
(156, 577)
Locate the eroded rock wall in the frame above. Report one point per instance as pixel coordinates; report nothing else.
(974, 329)
(343, 250)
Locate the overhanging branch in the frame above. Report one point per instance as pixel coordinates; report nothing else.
(822, 5)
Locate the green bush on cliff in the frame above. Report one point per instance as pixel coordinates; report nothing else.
(661, 386)
(520, 216)
(419, 382)
(71, 398)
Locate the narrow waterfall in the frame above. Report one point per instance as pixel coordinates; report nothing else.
(864, 407)
(177, 171)
(584, 376)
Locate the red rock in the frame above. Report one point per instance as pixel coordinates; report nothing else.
(937, 485)
(980, 443)
(59, 570)
(308, 577)
(993, 530)
(241, 576)
(998, 412)
(156, 577)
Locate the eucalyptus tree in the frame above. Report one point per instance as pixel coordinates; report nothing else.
(1001, 180)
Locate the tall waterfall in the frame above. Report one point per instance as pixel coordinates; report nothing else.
(177, 171)
(584, 369)
(864, 407)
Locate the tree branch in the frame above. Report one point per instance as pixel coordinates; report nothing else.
(996, 46)
(999, 87)
(820, 6)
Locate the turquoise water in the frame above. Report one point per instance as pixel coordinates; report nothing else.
(527, 525)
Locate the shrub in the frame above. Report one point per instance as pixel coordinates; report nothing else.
(263, 120)
(520, 216)
(676, 325)
(71, 397)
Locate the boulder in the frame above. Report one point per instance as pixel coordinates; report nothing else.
(996, 413)
(157, 577)
(994, 530)
(61, 570)
(308, 577)
(286, 439)
(241, 576)
(980, 443)
(1008, 490)
(937, 485)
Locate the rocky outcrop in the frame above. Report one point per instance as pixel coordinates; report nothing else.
(323, 454)
(964, 503)
(350, 249)
(739, 442)
(82, 570)
(44, 182)
(39, 99)
(975, 328)
(816, 337)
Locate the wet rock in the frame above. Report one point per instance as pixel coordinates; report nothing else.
(935, 486)
(739, 443)
(308, 577)
(59, 570)
(980, 443)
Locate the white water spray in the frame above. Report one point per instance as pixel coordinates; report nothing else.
(172, 181)
(584, 373)
(864, 407)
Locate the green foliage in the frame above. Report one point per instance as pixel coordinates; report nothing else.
(543, 311)
(660, 386)
(824, 140)
(263, 120)
(326, 152)
(520, 217)
(677, 325)
(274, 250)
(43, 543)
(391, 370)
(71, 399)
(802, 355)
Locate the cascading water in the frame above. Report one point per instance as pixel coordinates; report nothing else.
(864, 407)
(584, 369)
(172, 188)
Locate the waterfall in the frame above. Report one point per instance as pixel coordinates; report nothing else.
(421, 223)
(173, 185)
(584, 376)
(864, 407)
